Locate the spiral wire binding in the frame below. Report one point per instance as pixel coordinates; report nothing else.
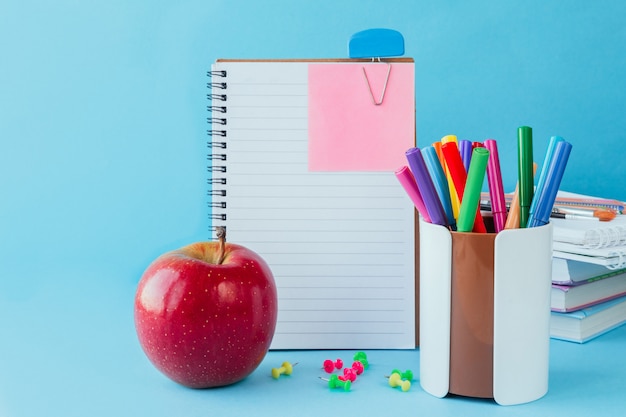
(621, 260)
(606, 237)
(217, 147)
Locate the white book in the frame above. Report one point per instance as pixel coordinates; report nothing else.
(583, 325)
(575, 297)
(570, 272)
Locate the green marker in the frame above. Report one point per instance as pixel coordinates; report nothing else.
(473, 187)
(525, 172)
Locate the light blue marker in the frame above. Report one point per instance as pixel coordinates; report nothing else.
(439, 179)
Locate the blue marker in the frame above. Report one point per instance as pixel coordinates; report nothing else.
(439, 180)
(545, 201)
(544, 171)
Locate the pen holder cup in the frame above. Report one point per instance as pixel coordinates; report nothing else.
(485, 313)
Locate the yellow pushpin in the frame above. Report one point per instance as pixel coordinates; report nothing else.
(395, 380)
(285, 369)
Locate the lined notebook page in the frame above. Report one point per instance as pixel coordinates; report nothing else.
(340, 245)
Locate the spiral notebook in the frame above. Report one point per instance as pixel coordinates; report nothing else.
(613, 257)
(591, 233)
(294, 178)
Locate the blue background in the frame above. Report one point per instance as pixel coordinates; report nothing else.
(103, 135)
(103, 104)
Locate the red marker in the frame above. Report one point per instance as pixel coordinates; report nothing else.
(459, 177)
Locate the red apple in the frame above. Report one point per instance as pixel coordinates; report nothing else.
(205, 314)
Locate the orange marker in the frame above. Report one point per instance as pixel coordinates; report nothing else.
(513, 218)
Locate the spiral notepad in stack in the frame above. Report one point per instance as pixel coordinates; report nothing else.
(602, 243)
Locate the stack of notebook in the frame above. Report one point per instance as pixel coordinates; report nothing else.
(589, 271)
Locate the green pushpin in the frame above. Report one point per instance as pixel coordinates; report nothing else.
(408, 374)
(335, 382)
(361, 357)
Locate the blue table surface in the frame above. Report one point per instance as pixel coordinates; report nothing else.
(69, 348)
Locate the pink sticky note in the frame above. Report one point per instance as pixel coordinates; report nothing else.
(347, 130)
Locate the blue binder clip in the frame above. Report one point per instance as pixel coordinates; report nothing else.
(376, 43)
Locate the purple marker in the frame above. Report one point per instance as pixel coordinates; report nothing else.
(465, 149)
(426, 187)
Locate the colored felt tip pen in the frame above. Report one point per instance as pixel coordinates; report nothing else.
(407, 181)
(554, 175)
(465, 149)
(449, 138)
(454, 198)
(459, 178)
(471, 195)
(496, 189)
(437, 146)
(455, 166)
(439, 180)
(544, 171)
(525, 171)
(512, 219)
(426, 187)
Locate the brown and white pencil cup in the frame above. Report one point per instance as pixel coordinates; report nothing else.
(485, 313)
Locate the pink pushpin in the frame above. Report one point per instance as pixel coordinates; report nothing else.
(329, 366)
(358, 367)
(349, 374)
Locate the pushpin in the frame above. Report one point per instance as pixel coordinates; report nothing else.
(361, 357)
(358, 367)
(404, 375)
(335, 382)
(348, 374)
(286, 369)
(351, 373)
(329, 366)
(395, 380)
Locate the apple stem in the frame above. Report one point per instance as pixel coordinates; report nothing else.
(220, 232)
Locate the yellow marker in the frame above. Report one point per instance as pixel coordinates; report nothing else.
(449, 138)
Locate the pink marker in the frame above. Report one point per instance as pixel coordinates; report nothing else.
(407, 180)
(496, 190)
